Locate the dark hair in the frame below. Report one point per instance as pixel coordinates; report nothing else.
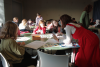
(73, 18)
(65, 20)
(88, 8)
(8, 30)
(38, 14)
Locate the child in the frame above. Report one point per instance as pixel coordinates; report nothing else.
(41, 29)
(56, 26)
(38, 18)
(23, 26)
(13, 52)
(15, 20)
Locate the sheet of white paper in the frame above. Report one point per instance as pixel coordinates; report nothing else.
(67, 45)
(22, 38)
(51, 41)
(35, 44)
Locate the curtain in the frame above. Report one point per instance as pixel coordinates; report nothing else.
(96, 10)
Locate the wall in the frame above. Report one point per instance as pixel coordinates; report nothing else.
(8, 9)
(13, 8)
(53, 9)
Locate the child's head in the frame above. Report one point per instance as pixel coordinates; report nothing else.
(38, 15)
(88, 8)
(65, 19)
(24, 21)
(29, 21)
(55, 23)
(41, 23)
(9, 30)
(15, 19)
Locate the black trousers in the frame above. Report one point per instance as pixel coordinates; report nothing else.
(27, 61)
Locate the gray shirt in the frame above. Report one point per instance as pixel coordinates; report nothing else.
(37, 20)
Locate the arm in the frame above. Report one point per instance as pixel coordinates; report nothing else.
(18, 32)
(17, 49)
(44, 30)
(87, 21)
(27, 27)
(36, 21)
(68, 35)
(35, 30)
(82, 16)
(41, 18)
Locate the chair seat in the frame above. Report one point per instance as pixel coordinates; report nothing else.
(49, 60)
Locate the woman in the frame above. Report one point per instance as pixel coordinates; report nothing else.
(23, 26)
(88, 54)
(14, 52)
(41, 29)
(84, 19)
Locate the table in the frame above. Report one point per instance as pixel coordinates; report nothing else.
(95, 29)
(73, 48)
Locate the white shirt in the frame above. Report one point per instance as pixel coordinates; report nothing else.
(69, 31)
(21, 26)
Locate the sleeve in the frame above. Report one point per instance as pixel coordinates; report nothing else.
(87, 20)
(68, 35)
(18, 32)
(35, 30)
(36, 21)
(27, 27)
(44, 30)
(17, 49)
(41, 18)
(82, 16)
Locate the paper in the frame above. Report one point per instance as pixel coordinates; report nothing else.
(67, 45)
(22, 38)
(35, 44)
(51, 41)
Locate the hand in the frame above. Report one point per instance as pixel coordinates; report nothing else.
(59, 34)
(54, 36)
(18, 43)
(22, 43)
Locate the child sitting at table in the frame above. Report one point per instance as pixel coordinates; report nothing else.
(56, 26)
(41, 29)
(23, 26)
(14, 52)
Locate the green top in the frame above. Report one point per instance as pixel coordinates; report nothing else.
(84, 19)
(11, 50)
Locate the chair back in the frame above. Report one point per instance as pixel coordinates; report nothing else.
(4, 61)
(48, 60)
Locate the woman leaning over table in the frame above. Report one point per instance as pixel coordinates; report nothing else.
(88, 54)
(14, 52)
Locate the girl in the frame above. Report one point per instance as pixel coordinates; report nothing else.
(41, 29)
(88, 54)
(56, 27)
(13, 52)
(23, 26)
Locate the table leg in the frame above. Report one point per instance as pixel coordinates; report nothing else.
(73, 55)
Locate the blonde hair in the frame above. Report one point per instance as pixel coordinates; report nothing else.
(9, 30)
(24, 21)
(41, 22)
